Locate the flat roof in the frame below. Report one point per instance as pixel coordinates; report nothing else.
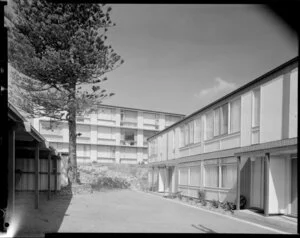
(290, 62)
(138, 109)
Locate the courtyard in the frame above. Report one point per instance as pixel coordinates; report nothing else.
(122, 211)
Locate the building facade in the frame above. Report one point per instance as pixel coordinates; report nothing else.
(242, 144)
(110, 135)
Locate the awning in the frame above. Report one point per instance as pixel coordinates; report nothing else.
(286, 146)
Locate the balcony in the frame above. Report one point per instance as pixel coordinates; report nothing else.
(126, 123)
(128, 142)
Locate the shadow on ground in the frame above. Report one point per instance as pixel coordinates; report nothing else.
(46, 219)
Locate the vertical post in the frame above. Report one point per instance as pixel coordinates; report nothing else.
(266, 184)
(11, 173)
(37, 171)
(152, 185)
(238, 183)
(55, 173)
(49, 175)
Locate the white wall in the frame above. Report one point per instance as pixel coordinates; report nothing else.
(246, 116)
(277, 182)
(293, 120)
(271, 110)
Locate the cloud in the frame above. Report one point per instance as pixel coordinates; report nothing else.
(220, 88)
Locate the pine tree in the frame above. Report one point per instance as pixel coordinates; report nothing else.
(57, 50)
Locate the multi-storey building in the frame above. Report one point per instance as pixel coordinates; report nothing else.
(112, 134)
(245, 143)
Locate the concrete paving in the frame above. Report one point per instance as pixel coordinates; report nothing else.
(131, 211)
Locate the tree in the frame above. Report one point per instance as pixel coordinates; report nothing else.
(57, 50)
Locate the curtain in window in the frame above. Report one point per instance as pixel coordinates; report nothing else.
(256, 107)
(211, 176)
(183, 176)
(217, 122)
(229, 176)
(209, 125)
(195, 176)
(191, 132)
(197, 130)
(224, 119)
(235, 116)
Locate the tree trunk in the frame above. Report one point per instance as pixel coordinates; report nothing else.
(73, 174)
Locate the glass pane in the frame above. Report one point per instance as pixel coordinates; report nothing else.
(195, 176)
(217, 122)
(209, 125)
(191, 132)
(183, 176)
(197, 129)
(224, 119)
(211, 176)
(256, 107)
(235, 116)
(229, 175)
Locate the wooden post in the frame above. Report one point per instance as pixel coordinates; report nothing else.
(49, 175)
(37, 171)
(55, 173)
(238, 183)
(152, 186)
(266, 184)
(11, 173)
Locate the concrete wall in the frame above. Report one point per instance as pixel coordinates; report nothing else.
(277, 183)
(271, 110)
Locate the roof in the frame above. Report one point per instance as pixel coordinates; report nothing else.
(138, 109)
(16, 116)
(259, 79)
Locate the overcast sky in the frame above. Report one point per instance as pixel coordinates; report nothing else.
(178, 58)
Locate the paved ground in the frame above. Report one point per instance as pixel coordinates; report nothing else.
(122, 211)
(129, 211)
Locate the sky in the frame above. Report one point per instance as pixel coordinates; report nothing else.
(179, 58)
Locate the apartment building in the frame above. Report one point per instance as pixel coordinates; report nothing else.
(245, 143)
(110, 135)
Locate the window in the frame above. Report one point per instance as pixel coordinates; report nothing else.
(224, 119)
(256, 107)
(128, 137)
(186, 134)
(229, 175)
(183, 176)
(209, 125)
(197, 130)
(191, 132)
(235, 116)
(195, 176)
(217, 122)
(181, 136)
(211, 176)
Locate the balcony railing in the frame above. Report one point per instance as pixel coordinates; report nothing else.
(128, 123)
(128, 142)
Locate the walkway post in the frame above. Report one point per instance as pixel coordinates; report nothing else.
(49, 175)
(37, 171)
(238, 183)
(266, 183)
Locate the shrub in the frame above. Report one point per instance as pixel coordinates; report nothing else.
(201, 195)
(215, 203)
(204, 202)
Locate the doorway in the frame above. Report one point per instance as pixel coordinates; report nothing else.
(257, 183)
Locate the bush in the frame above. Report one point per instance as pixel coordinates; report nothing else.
(215, 203)
(204, 202)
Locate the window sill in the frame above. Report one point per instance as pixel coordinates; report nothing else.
(190, 146)
(224, 136)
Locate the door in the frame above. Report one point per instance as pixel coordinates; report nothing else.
(294, 184)
(257, 190)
